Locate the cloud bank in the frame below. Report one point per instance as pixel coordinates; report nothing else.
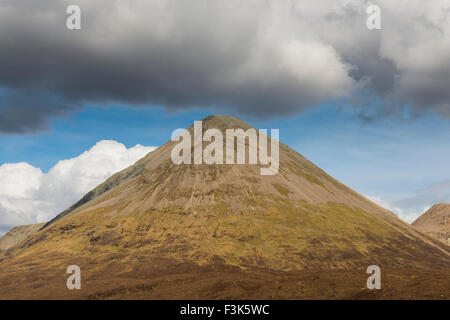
(257, 57)
(410, 208)
(28, 195)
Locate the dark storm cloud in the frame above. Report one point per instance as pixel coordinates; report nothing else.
(29, 111)
(264, 58)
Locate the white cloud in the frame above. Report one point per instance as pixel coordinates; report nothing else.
(391, 207)
(404, 211)
(424, 198)
(28, 195)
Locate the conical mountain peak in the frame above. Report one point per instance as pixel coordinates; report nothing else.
(223, 122)
(436, 222)
(159, 218)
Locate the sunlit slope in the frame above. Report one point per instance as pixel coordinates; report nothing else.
(156, 213)
(17, 235)
(435, 222)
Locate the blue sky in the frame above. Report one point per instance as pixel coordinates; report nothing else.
(386, 158)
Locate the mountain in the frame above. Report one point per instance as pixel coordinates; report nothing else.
(162, 230)
(435, 222)
(18, 234)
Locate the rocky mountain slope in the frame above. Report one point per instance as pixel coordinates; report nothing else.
(436, 222)
(18, 234)
(161, 230)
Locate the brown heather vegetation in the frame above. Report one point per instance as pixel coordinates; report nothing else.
(162, 231)
(435, 222)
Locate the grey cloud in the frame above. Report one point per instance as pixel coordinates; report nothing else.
(29, 111)
(263, 58)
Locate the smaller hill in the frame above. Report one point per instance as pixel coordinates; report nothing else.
(436, 222)
(17, 234)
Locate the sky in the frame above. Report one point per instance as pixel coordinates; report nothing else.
(370, 107)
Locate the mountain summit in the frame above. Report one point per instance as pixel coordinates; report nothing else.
(18, 234)
(435, 222)
(162, 230)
